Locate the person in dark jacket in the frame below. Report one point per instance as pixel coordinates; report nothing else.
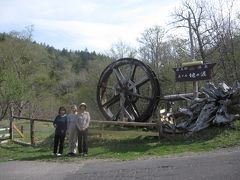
(60, 124)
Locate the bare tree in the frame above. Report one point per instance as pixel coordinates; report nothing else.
(3, 108)
(195, 12)
(151, 43)
(215, 33)
(122, 49)
(223, 33)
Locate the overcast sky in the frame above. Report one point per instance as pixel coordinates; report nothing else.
(80, 24)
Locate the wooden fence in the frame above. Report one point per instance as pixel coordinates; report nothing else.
(4, 134)
(115, 123)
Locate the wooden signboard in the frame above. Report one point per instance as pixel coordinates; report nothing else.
(194, 72)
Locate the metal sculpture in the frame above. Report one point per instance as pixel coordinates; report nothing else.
(128, 90)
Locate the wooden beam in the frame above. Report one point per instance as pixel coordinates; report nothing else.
(193, 63)
(4, 141)
(177, 97)
(4, 129)
(18, 131)
(21, 142)
(34, 119)
(135, 124)
(4, 136)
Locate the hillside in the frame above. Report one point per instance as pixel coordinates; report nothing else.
(36, 78)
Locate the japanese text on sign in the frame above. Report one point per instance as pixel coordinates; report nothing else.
(194, 73)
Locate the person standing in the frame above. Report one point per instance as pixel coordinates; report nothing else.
(60, 124)
(82, 127)
(72, 119)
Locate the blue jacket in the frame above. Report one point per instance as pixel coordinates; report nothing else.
(61, 125)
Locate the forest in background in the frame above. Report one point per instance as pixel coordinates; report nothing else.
(35, 79)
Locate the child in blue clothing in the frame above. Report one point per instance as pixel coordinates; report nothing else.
(60, 123)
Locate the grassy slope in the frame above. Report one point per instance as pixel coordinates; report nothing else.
(125, 144)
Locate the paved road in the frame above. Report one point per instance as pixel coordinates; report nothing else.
(217, 165)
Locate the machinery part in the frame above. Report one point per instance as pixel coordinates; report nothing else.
(128, 90)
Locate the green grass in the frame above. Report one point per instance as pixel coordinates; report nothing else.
(126, 144)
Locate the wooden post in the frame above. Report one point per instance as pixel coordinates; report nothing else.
(101, 129)
(160, 130)
(32, 136)
(22, 129)
(11, 127)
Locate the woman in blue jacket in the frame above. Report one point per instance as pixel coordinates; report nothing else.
(60, 123)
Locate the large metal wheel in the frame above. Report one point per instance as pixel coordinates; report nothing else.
(128, 90)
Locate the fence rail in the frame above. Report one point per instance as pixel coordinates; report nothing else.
(4, 135)
(115, 123)
(33, 119)
(4, 129)
(134, 124)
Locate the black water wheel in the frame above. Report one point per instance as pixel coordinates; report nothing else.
(128, 90)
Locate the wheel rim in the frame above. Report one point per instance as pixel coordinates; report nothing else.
(128, 90)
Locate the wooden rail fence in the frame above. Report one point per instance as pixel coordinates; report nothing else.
(115, 123)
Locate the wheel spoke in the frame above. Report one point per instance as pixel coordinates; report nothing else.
(132, 118)
(112, 101)
(121, 79)
(140, 96)
(134, 110)
(107, 87)
(104, 88)
(122, 103)
(116, 116)
(132, 70)
(140, 83)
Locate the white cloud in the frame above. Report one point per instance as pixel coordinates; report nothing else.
(79, 24)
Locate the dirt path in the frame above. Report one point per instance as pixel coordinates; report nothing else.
(220, 165)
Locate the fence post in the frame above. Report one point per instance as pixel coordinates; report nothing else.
(32, 136)
(22, 129)
(160, 130)
(101, 127)
(11, 127)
